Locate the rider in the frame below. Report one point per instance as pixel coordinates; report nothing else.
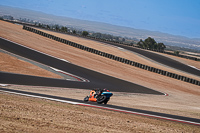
(100, 91)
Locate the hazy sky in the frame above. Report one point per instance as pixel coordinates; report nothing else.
(178, 17)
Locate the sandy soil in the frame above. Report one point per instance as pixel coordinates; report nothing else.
(11, 64)
(182, 100)
(38, 115)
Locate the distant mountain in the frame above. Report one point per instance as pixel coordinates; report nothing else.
(167, 39)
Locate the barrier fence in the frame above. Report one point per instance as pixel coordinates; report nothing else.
(113, 57)
(110, 41)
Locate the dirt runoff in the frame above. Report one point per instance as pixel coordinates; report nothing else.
(38, 115)
(183, 97)
(12, 64)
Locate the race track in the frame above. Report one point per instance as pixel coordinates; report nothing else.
(96, 79)
(164, 116)
(162, 59)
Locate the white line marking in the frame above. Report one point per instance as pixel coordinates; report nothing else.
(194, 67)
(120, 48)
(3, 85)
(64, 60)
(52, 99)
(72, 75)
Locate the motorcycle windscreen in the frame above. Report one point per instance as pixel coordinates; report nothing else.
(107, 94)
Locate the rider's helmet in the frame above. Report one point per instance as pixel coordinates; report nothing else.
(106, 90)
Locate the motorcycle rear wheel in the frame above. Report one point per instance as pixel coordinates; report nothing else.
(101, 99)
(106, 101)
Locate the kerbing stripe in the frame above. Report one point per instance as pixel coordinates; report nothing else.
(142, 114)
(72, 75)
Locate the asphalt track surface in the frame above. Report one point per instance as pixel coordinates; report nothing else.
(156, 57)
(96, 79)
(108, 107)
(161, 59)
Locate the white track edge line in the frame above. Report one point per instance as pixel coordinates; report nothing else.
(3, 85)
(52, 99)
(82, 79)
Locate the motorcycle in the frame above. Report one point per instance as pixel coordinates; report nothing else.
(100, 96)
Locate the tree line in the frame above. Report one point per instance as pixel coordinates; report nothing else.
(150, 43)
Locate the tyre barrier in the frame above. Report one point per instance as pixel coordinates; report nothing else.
(113, 57)
(103, 40)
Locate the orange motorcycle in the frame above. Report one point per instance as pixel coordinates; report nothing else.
(99, 95)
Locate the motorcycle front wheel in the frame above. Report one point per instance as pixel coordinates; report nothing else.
(86, 99)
